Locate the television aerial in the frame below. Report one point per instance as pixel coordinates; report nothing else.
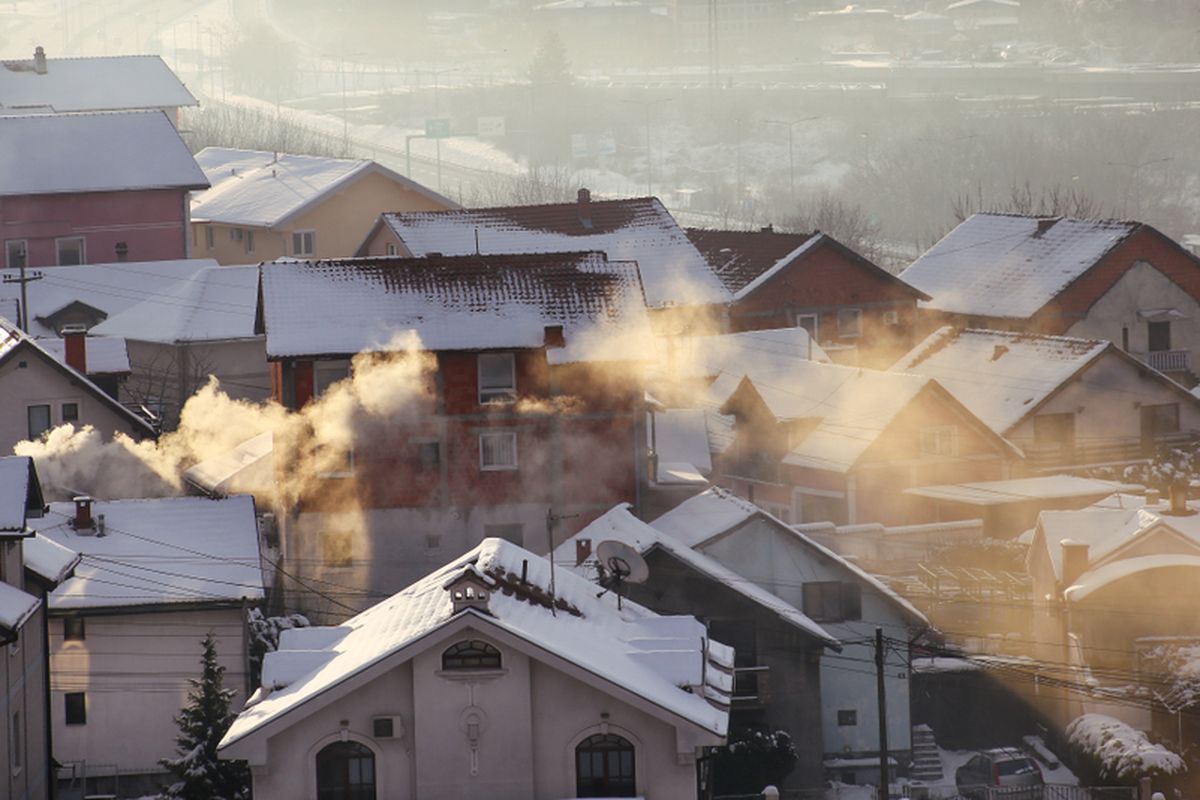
(619, 564)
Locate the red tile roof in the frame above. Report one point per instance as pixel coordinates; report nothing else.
(738, 257)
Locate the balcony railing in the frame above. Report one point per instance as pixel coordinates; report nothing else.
(1053, 456)
(1166, 360)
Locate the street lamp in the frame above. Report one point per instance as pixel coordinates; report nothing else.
(646, 104)
(791, 126)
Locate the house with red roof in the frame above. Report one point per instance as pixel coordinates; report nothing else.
(858, 311)
(1095, 279)
(512, 411)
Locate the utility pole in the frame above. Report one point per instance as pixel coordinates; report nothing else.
(880, 661)
(24, 280)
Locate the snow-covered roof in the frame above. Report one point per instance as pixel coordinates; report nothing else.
(619, 524)
(168, 551)
(262, 189)
(12, 339)
(974, 3)
(19, 493)
(212, 304)
(637, 229)
(249, 465)
(1001, 376)
(48, 559)
(108, 152)
(745, 353)
(716, 511)
(1004, 265)
(587, 631)
(1017, 490)
(680, 437)
(111, 83)
(15, 607)
(455, 303)
(1094, 580)
(107, 288)
(106, 355)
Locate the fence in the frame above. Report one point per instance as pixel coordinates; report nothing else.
(1051, 791)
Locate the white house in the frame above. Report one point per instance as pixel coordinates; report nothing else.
(125, 634)
(490, 677)
(845, 601)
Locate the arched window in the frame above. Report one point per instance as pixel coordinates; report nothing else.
(345, 771)
(604, 767)
(473, 654)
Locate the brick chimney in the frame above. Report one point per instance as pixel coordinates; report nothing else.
(584, 197)
(39, 60)
(552, 336)
(1177, 492)
(584, 204)
(583, 550)
(83, 521)
(75, 346)
(1074, 560)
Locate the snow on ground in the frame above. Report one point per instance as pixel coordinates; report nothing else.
(953, 759)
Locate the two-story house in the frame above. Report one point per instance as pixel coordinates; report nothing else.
(1063, 401)
(845, 601)
(489, 677)
(264, 206)
(519, 407)
(1124, 282)
(87, 188)
(859, 312)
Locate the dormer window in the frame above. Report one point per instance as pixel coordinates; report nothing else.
(472, 654)
(470, 589)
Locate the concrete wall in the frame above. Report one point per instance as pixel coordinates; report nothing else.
(152, 223)
(781, 564)
(531, 717)
(23, 702)
(134, 669)
(40, 382)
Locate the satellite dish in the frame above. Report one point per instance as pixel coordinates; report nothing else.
(622, 563)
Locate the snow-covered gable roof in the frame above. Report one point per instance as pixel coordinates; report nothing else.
(250, 464)
(1003, 265)
(681, 441)
(111, 83)
(213, 304)
(16, 607)
(169, 551)
(587, 631)
(106, 355)
(717, 511)
(262, 189)
(745, 353)
(1017, 490)
(108, 288)
(109, 152)
(48, 559)
(1001, 376)
(13, 340)
(1096, 579)
(20, 494)
(638, 229)
(619, 524)
(453, 303)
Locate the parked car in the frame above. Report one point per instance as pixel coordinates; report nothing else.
(1003, 773)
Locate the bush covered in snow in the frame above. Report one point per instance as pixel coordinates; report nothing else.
(264, 636)
(754, 758)
(1121, 752)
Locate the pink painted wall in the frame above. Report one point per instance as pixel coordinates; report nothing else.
(151, 222)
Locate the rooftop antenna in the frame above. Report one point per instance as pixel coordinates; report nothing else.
(553, 519)
(619, 564)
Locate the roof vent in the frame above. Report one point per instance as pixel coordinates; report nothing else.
(1044, 225)
(998, 351)
(470, 589)
(585, 211)
(39, 60)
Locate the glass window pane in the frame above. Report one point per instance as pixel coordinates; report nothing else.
(39, 420)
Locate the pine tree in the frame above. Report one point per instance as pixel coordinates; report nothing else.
(199, 773)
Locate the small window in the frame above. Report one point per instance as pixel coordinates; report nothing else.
(429, 454)
(383, 728)
(832, 601)
(497, 377)
(472, 654)
(941, 440)
(498, 451)
(76, 704)
(336, 548)
(70, 412)
(38, 417)
(891, 317)
(333, 462)
(249, 241)
(392, 250)
(810, 323)
(1054, 430)
(73, 629)
(510, 532)
(847, 717)
(16, 253)
(70, 251)
(210, 239)
(850, 322)
(302, 243)
(326, 375)
(236, 234)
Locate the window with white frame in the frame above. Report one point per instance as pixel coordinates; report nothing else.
(497, 377)
(38, 417)
(498, 450)
(850, 322)
(940, 440)
(69, 251)
(16, 253)
(810, 323)
(392, 250)
(302, 243)
(891, 317)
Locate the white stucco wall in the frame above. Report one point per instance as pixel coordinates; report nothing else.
(1141, 288)
(38, 382)
(533, 716)
(780, 564)
(134, 669)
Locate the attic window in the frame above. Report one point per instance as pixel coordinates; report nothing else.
(471, 654)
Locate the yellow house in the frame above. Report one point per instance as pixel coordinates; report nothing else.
(264, 206)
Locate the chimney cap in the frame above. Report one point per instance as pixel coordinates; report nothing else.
(73, 328)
